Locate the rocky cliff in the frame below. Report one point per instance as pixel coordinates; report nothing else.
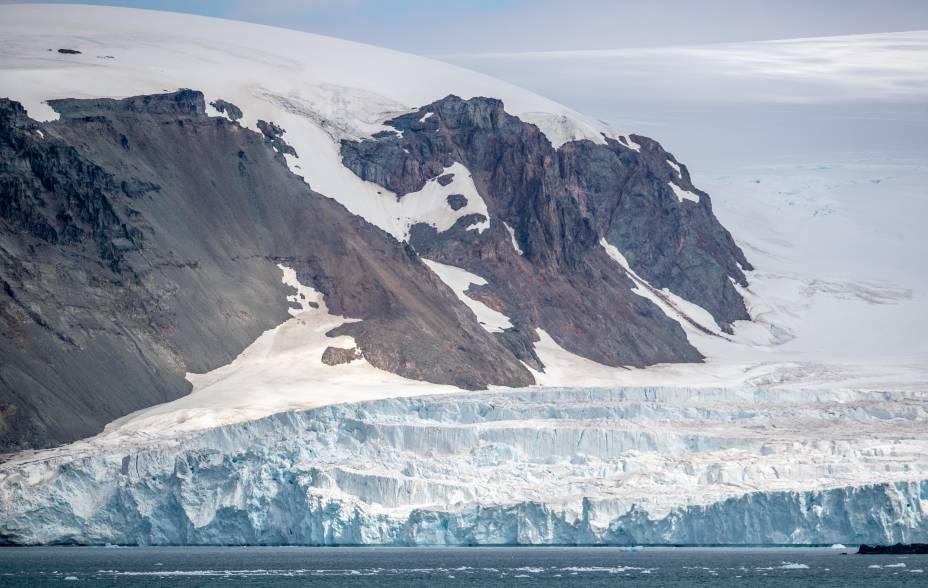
(550, 209)
(140, 239)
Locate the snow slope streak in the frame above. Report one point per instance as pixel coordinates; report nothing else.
(633, 465)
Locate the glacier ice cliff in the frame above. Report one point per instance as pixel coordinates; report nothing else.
(535, 466)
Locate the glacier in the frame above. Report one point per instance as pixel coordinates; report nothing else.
(630, 465)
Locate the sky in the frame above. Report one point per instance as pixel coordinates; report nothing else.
(746, 102)
(478, 26)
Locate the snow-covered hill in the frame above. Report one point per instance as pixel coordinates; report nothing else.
(324, 94)
(263, 70)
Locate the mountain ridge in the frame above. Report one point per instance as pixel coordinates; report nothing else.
(140, 174)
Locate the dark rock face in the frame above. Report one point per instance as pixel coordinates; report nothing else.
(139, 240)
(339, 355)
(559, 204)
(456, 201)
(234, 112)
(274, 135)
(671, 244)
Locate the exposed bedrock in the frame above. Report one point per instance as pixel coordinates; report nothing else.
(139, 240)
(549, 209)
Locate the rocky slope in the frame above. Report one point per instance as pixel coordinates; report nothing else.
(173, 222)
(441, 239)
(141, 240)
(550, 209)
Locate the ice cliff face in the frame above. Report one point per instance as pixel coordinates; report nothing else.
(559, 466)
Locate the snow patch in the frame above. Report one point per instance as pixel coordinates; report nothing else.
(628, 142)
(460, 280)
(561, 128)
(512, 236)
(430, 204)
(316, 138)
(682, 194)
(562, 367)
(282, 370)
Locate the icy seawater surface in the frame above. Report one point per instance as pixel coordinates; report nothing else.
(383, 567)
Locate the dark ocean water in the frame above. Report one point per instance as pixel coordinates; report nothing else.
(387, 567)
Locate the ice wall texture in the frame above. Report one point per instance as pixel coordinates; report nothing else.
(555, 466)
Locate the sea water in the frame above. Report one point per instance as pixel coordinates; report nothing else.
(448, 567)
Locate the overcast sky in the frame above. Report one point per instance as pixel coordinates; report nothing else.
(477, 26)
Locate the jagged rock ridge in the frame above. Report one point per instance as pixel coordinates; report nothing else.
(549, 209)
